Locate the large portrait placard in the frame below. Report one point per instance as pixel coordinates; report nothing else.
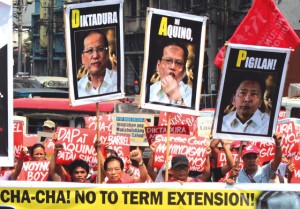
(250, 92)
(95, 48)
(173, 61)
(6, 85)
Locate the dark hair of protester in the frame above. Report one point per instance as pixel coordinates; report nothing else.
(37, 145)
(78, 163)
(279, 200)
(111, 158)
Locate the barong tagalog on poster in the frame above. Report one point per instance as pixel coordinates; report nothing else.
(250, 92)
(95, 51)
(173, 61)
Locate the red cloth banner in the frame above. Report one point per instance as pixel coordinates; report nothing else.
(193, 147)
(264, 25)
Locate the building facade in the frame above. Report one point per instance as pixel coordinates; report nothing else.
(48, 55)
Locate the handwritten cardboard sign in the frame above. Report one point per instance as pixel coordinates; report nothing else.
(194, 147)
(152, 131)
(34, 171)
(178, 119)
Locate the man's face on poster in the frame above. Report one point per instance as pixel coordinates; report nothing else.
(171, 63)
(95, 54)
(247, 99)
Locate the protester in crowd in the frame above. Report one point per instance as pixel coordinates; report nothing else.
(247, 117)
(48, 126)
(36, 153)
(78, 170)
(252, 172)
(220, 172)
(171, 89)
(180, 168)
(114, 168)
(95, 58)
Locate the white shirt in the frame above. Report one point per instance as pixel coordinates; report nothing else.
(262, 175)
(157, 94)
(109, 84)
(257, 124)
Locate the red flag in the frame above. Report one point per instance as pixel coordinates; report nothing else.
(263, 25)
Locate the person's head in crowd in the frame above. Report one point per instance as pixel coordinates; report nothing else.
(173, 60)
(79, 170)
(48, 126)
(113, 167)
(250, 156)
(180, 167)
(37, 152)
(278, 200)
(95, 54)
(248, 98)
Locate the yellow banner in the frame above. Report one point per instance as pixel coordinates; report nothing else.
(132, 196)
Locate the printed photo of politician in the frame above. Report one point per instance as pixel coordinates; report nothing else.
(173, 62)
(95, 55)
(97, 73)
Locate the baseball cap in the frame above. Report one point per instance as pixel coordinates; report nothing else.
(49, 124)
(235, 145)
(250, 149)
(179, 160)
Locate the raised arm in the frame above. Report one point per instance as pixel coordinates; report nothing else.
(229, 158)
(19, 166)
(150, 165)
(57, 172)
(278, 152)
(137, 156)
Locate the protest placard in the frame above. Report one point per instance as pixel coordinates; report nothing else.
(133, 125)
(105, 123)
(186, 33)
(101, 22)
(152, 131)
(250, 73)
(34, 171)
(193, 147)
(178, 119)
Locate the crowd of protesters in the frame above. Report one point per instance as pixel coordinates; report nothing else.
(114, 170)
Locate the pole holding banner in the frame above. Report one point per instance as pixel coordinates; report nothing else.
(98, 147)
(168, 146)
